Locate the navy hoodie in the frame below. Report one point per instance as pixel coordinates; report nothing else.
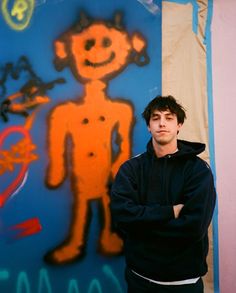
(157, 245)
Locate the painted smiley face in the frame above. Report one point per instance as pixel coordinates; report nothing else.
(99, 51)
(105, 43)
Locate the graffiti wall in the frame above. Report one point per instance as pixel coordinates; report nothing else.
(74, 79)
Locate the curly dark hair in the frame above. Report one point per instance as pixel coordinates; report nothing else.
(163, 103)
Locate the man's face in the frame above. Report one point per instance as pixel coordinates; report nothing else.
(164, 127)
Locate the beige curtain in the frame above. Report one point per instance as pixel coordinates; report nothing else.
(184, 75)
(184, 72)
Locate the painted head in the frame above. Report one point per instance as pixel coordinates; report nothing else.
(98, 49)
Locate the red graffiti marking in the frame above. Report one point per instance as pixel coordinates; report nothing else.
(27, 228)
(5, 194)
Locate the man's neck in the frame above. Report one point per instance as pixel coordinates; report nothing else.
(163, 150)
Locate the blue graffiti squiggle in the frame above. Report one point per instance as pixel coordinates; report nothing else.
(44, 282)
(22, 285)
(44, 286)
(107, 270)
(4, 275)
(73, 287)
(95, 286)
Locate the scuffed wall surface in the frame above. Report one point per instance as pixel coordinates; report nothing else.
(224, 93)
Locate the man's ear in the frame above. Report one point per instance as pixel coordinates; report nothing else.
(179, 126)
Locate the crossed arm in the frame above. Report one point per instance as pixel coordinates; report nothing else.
(187, 221)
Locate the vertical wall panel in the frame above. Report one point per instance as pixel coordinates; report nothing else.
(224, 63)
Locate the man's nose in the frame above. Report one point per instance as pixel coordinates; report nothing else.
(162, 122)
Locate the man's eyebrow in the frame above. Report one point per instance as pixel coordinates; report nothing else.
(155, 114)
(166, 114)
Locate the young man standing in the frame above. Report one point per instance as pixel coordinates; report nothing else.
(162, 202)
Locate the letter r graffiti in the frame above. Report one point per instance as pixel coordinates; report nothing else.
(19, 9)
(17, 13)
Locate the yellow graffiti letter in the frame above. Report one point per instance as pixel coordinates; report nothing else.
(18, 18)
(19, 9)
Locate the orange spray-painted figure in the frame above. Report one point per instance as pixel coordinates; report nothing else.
(95, 53)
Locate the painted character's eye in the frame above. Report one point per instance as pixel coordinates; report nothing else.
(89, 44)
(106, 42)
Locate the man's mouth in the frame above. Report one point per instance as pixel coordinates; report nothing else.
(98, 64)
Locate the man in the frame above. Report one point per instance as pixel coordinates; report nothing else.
(162, 202)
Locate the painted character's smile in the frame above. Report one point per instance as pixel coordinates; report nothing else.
(98, 64)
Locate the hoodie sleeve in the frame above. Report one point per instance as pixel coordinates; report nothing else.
(199, 203)
(127, 213)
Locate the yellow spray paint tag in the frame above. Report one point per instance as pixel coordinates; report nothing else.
(18, 13)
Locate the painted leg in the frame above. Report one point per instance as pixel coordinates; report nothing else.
(72, 248)
(110, 242)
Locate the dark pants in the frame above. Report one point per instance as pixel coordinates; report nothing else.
(137, 284)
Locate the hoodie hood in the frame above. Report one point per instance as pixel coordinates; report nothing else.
(185, 148)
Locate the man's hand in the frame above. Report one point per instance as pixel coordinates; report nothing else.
(177, 208)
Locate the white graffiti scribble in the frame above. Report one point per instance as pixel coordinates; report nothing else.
(150, 6)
